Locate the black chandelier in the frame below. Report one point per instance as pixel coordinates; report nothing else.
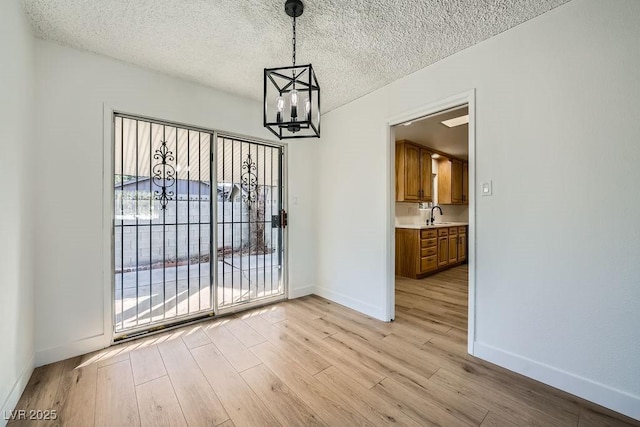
(292, 94)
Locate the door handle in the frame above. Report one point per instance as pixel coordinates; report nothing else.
(280, 220)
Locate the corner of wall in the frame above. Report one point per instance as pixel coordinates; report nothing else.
(72, 349)
(16, 391)
(617, 400)
(17, 106)
(301, 292)
(374, 311)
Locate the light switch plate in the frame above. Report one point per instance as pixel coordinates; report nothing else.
(485, 188)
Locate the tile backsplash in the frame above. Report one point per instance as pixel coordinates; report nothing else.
(408, 213)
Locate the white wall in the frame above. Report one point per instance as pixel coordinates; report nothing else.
(558, 243)
(71, 89)
(16, 212)
(301, 234)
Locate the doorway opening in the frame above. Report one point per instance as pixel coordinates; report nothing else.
(432, 216)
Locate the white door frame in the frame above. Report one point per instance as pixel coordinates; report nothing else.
(430, 108)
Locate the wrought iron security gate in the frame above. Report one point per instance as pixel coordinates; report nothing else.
(162, 223)
(250, 222)
(166, 261)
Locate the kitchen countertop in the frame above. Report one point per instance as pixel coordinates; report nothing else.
(436, 225)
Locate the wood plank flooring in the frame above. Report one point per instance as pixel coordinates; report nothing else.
(308, 362)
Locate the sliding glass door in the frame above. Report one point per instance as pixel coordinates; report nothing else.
(162, 223)
(165, 270)
(250, 222)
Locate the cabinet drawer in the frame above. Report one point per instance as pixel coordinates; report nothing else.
(462, 230)
(443, 232)
(428, 251)
(428, 263)
(428, 234)
(453, 231)
(427, 243)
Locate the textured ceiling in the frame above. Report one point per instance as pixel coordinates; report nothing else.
(355, 46)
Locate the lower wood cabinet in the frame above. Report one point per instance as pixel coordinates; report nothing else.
(462, 243)
(453, 245)
(422, 252)
(428, 253)
(443, 251)
(428, 264)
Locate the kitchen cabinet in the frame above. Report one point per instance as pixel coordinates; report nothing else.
(453, 245)
(416, 252)
(428, 252)
(420, 252)
(462, 243)
(465, 183)
(453, 182)
(425, 175)
(413, 173)
(443, 247)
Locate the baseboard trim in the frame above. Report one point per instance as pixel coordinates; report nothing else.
(301, 292)
(616, 400)
(12, 399)
(72, 349)
(362, 307)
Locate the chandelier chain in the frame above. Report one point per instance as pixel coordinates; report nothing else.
(294, 41)
(293, 71)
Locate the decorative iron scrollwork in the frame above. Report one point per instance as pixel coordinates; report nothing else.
(249, 181)
(164, 175)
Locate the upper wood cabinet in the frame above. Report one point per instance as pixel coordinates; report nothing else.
(413, 173)
(456, 181)
(453, 182)
(465, 183)
(425, 175)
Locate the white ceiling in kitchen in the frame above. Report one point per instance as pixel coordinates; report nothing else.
(430, 132)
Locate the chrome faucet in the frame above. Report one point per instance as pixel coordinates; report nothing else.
(433, 220)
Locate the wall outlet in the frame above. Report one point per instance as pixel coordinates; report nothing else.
(486, 188)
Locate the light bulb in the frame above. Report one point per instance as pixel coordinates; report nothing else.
(293, 97)
(279, 108)
(307, 109)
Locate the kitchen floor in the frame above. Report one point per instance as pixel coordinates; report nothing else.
(441, 298)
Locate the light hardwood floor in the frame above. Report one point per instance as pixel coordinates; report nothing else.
(308, 362)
